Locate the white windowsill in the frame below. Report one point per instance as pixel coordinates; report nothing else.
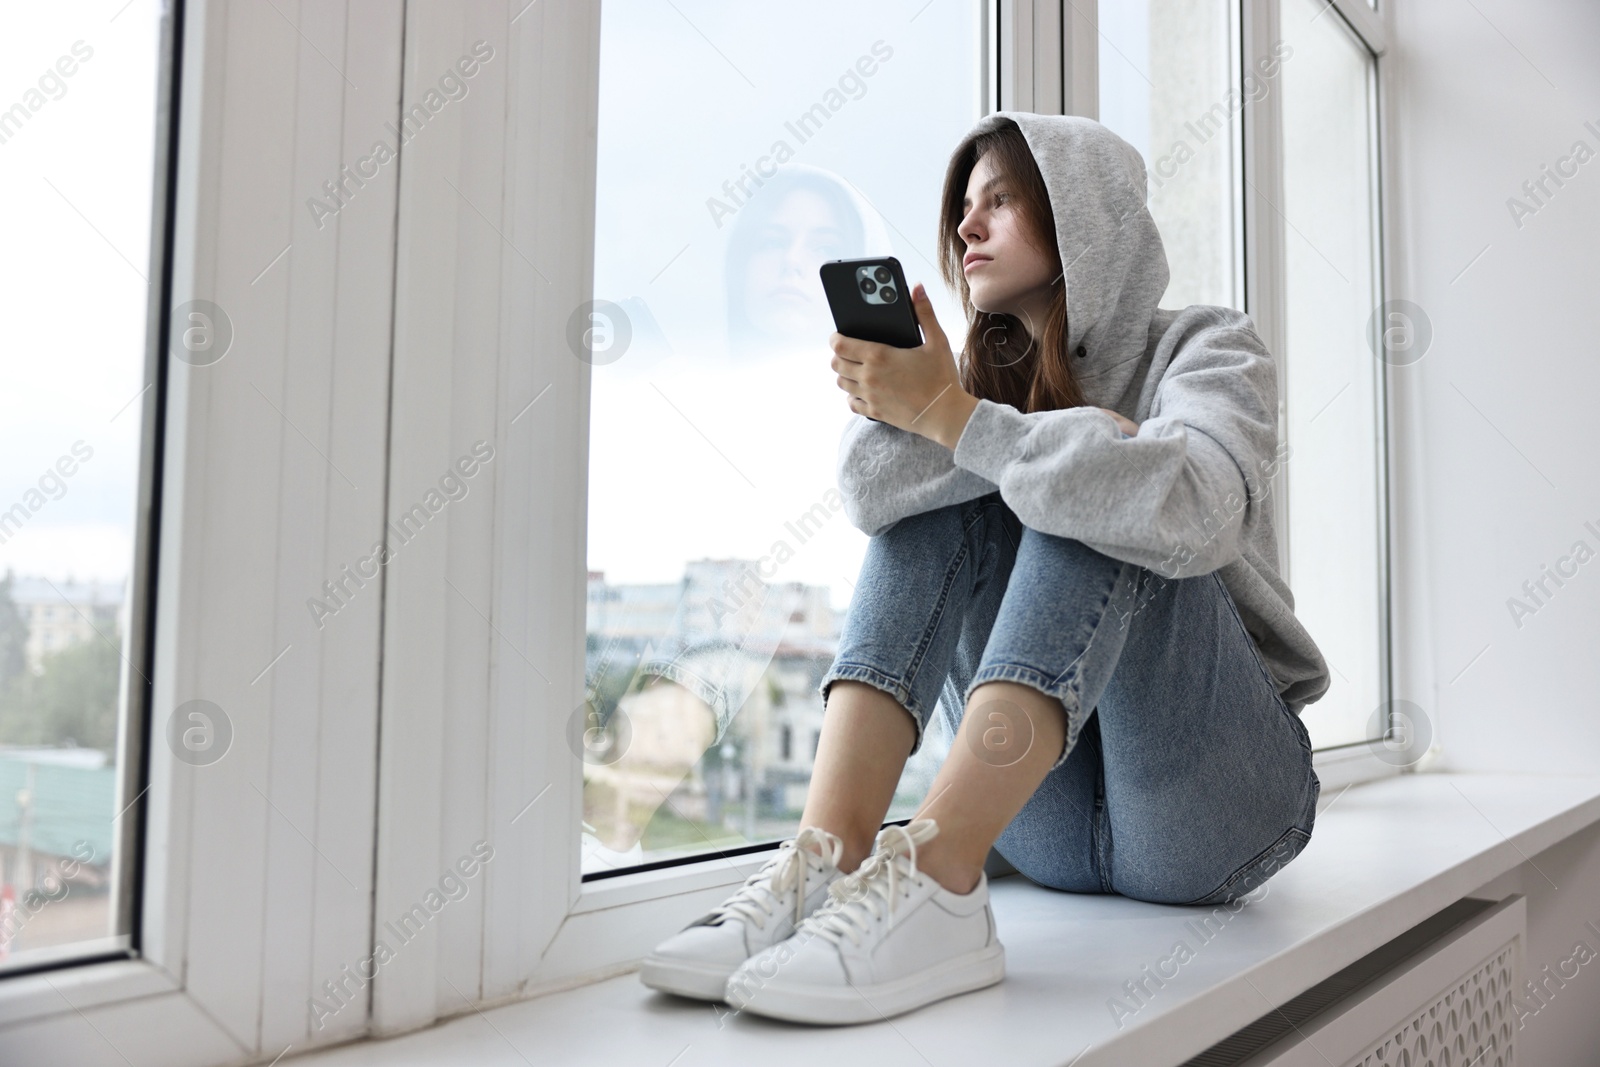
(1383, 856)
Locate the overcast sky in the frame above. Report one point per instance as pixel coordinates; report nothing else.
(75, 179)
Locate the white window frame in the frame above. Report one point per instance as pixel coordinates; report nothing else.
(257, 869)
(1034, 77)
(1342, 765)
(431, 313)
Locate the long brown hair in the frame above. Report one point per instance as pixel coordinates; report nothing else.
(1001, 361)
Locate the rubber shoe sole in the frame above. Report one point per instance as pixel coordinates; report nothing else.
(686, 978)
(860, 1004)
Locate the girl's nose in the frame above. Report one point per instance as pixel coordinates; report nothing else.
(799, 257)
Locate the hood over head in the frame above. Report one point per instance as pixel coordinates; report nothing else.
(1115, 263)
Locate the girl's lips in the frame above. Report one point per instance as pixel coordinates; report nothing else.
(978, 263)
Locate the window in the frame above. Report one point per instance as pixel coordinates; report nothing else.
(78, 145)
(740, 146)
(1332, 381)
(1169, 87)
(376, 754)
(1170, 83)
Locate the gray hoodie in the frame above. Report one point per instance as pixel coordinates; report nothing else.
(1190, 493)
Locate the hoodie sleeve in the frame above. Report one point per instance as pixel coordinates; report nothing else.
(1180, 496)
(886, 473)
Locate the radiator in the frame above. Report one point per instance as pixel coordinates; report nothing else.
(1439, 995)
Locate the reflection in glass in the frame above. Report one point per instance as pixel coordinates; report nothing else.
(804, 217)
(720, 559)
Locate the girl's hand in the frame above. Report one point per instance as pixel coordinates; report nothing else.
(1127, 427)
(915, 389)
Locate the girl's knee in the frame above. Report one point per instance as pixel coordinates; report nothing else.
(1174, 884)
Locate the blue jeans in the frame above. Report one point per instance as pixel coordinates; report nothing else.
(1184, 779)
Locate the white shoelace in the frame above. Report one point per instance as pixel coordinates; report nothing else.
(758, 898)
(854, 907)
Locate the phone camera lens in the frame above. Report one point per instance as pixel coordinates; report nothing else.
(888, 295)
(868, 285)
(883, 275)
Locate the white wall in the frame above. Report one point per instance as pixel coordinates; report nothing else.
(1558, 1020)
(1482, 95)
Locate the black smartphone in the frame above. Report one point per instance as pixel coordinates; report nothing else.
(871, 301)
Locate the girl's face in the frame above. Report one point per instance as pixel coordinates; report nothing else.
(1006, 273)
(783, 292)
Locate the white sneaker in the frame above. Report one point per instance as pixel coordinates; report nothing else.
(888, 940)
(597, 855)
(697, 960)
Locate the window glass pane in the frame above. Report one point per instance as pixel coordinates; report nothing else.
(1331, 375)
(1168, 87)
(740, 146)
(77, 159)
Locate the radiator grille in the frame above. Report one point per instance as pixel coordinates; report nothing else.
(1472, 1023)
